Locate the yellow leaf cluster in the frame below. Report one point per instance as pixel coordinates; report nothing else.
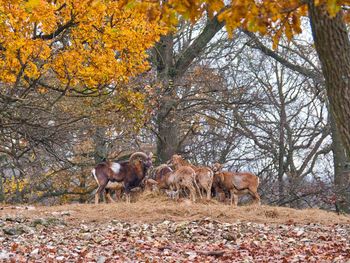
(14, 184)
(81, 43)
(275, 17)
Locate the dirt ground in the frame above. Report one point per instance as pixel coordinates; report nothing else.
(152, 208)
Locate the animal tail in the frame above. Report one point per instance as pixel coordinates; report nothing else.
(93, 173)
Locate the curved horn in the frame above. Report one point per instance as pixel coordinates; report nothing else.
(161, 166)
(138, 154)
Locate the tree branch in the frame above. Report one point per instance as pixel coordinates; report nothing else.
(189, 54)
(316, 76)
(58, 31)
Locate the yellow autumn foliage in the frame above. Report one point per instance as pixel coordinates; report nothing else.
(82, 44)
(14, 184)
(275, 17)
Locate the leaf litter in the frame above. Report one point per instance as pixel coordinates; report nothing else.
(159, 230)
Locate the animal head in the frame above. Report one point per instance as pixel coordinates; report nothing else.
(145, 159)
(218, 178)
(176, 160)
(217, 167)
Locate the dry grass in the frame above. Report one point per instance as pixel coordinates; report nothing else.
(152, 208)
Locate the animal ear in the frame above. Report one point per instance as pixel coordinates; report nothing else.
(218, 166)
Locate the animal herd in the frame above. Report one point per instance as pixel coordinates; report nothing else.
(176, 177)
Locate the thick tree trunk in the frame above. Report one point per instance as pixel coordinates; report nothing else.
(168, 130)
(167, 121)
(341, 180)
(333, 48)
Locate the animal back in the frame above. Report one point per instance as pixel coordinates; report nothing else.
(243, 180)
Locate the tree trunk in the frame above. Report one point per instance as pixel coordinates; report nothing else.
(82, 185)
(341, 180)
(2, 195)
(168, 130)
(333, 48)
(100, 153)
(167, 122)
(282, 148)
(171, 68)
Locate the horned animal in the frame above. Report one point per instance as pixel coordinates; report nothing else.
(236, 184)
(131, 173)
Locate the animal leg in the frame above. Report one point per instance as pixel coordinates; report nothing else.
(233, 198)
(217, 194)
(127, 192)
(255, 196)
(98, 192)
(208, 189)
(201, 193)
(192, 192)
(197, 187)
(118, 194)
(128, 198)
(177, 191)
(236, 200)
(109, 197)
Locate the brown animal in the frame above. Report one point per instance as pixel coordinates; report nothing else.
(131, 173)
(204, 175)
(183, 178)
(236, 184)
(117, 187)
(159, 173)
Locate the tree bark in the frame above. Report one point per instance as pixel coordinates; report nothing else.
(168, 130)
(282, 148)
(2, 195)
(171, 68)
(341, 170)
(100, 153)
(167, 121)
(333, 48)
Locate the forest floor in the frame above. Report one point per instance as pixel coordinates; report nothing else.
(155, 229)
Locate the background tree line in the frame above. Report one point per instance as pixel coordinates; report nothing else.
(211, 98)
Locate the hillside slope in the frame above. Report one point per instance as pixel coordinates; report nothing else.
(158, 230)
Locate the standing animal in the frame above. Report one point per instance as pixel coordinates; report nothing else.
(183, 178)
(159, 173)
(180, 179)
(236, 184)
(204, 175)
(130, 173)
